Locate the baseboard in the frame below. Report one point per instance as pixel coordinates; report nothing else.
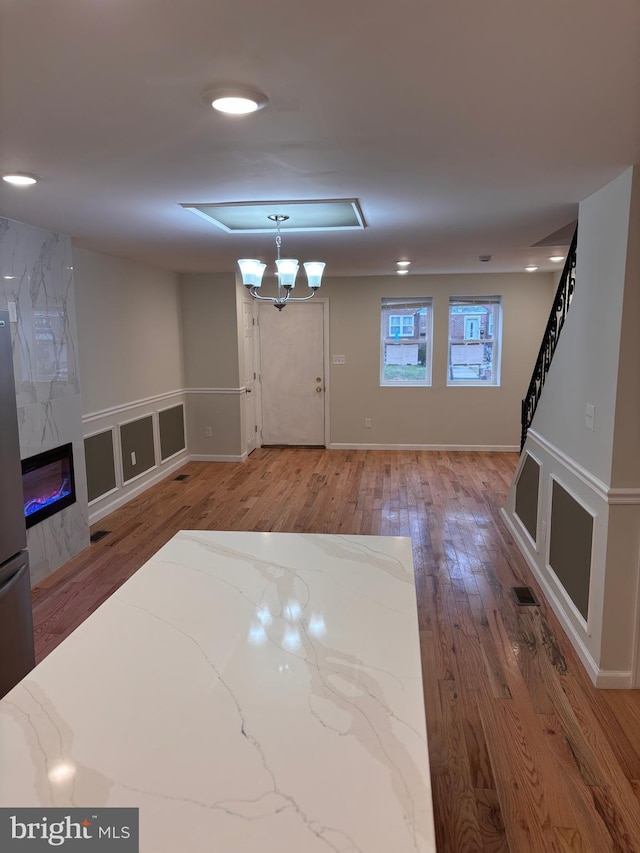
(485, 448)
(124, 495)
(612, 679)
(204, 457)
(593, 671)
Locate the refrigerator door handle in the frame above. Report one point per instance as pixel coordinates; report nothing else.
(12, 580)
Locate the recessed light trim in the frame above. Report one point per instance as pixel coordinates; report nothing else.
(235, 99)
(20, 179)
(557, 258)
(531, 268)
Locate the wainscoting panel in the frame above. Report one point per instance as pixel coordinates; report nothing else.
(527, 494)
(570, 543)
(150, 428)
(100, 461)
(585, 560)
(138, 450)
(171, 428)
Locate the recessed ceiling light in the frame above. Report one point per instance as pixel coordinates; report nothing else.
(236, 99)
(20, 179)
(402, 272)
(403, 263)
(531, 268)
(9, 277)
(556, 258)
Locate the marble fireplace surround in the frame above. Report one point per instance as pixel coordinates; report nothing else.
(36, 286)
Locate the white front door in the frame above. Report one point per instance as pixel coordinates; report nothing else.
(292, 373)
(250, 419)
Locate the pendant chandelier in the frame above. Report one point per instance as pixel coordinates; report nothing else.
(286, 271)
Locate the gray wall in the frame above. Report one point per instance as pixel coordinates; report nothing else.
(211, 336)
(439, 415)
(132, 366)
(128, 329)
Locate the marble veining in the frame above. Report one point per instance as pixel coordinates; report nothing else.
(247, 691)
(36, 275)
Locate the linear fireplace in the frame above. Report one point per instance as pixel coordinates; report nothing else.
(48, 483)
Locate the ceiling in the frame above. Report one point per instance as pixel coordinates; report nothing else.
(461, 127)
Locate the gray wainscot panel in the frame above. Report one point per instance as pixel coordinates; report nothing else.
(171, 428)
(138, 450)
(570, 546)
(527, 489)
(101, 467)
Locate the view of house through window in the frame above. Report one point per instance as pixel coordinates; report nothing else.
(405, 342)
(474, 341)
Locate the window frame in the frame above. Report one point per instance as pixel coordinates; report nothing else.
(495, 339)
(401, 325)
(416, 304)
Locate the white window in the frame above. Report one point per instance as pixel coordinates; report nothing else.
(474, 341)
(401, 326)
(405, 341)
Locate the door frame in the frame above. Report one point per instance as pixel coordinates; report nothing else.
(324, 300)
(243, 388)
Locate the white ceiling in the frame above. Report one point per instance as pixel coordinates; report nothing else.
(463, 127)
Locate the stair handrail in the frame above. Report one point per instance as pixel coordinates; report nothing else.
(558, 314)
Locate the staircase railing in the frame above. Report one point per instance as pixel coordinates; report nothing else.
(555, 323)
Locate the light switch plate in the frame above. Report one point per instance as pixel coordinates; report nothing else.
(589, 418)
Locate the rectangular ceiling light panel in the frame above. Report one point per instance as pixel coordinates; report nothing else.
(252, 217)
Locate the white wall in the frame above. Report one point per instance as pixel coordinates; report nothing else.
(585, 365)
(437, 416)
(596, 362)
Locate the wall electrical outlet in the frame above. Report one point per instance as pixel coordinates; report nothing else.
(338, 359)
(133, 457)
(208, 432)
(367, 423)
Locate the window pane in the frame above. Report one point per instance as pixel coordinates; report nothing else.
(405, 342)
(474, 329)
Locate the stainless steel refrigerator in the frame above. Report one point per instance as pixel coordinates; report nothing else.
(17, 656)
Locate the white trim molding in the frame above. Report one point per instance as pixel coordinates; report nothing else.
(130, 493)
(133, 404)
(235, 391)
(204, 457)
(601, 678)
(489, 448)
(581, 473)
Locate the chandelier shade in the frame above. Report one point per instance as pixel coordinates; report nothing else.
(252, 271)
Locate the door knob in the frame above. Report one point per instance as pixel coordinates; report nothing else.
(318, 378)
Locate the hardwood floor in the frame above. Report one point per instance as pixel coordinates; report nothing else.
(525, 754)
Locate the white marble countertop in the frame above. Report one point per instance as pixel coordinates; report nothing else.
(248, 692)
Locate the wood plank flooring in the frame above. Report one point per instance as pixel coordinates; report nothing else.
(525, 754)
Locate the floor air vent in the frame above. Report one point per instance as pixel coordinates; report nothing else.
(98, 535)
(524, 596)
(182, 477)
